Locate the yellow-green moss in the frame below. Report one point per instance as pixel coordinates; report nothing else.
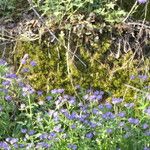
(101, 72)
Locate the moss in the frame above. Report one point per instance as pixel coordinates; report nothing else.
(102, 71)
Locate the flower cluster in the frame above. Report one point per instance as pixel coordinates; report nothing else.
(66, 122)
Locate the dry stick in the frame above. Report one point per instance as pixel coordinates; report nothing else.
(51, 33)
(133, 7)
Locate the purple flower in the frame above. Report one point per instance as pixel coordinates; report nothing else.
(73, 116)
(11, 76)
(2, 62)
(73, 126)
(92, 97)
(48, 98)
(142, 1)
(147, 133)
(146, 148)
(121, 124)
(31, 132)
(145, 126)
(33, 63)
(42, 145)
(52, 134)
(39, 93)
(72, 146)
(108, 105)
(143, 77)
(23, 61)
(108, 115)
(43, 136)
(4, 83)
(8, 98)
(95, 111)
(92, 125)
(133, 120)
(101, 106)
(24, 70)
(12, 140)
(121, 114)
(99, 97)
(147, 111)
(109, 130)
(72, 102)
(23, 130)
(21, 84)
(127, 135)
(4, 145)
(59, 91)
(96, 93)
(129, 105)
(89, 135)
(116, 100)
(132, 77)
(58, 128)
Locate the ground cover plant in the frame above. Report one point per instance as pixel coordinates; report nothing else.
(62, 121)
(74, 75)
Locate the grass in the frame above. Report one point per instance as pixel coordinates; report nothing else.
(63, 122)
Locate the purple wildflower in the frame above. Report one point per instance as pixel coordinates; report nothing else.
(24, 70)
(33, 63)
(4, 145)
(72, 146)
(31, 132)
(23, 130)
(43, 136)
(89, 135)
(121, 114)
(129, 105)
(142, 1)
(11, 76)
(39, 93)
(23, 61)
(121, 124)
(145, 126)
(58, 128)
(108, 105)
(92, 97)
(147, 111)
(73, 126)
(143, 77)
(133, 120)
(99, 97)
(116, 100)
(8, 98)
(95, 111)
(108, 115)
(48, 98)
(146, 148)
(2, 62)
(101, 106)
(132, 77)
(42, 145)
(109, 130)
(12, 140)
(127, 135)
(4, 83)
